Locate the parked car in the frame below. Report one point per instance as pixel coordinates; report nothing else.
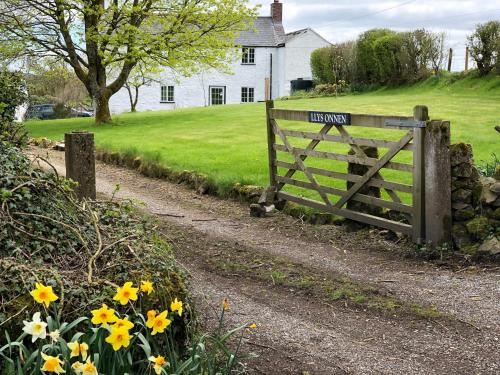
(51, 111)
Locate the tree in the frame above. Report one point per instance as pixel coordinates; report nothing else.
(143, 74)
(484, 46)
(437, 52)
(93, 36)
(50, 80)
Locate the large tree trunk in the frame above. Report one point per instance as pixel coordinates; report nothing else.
(102, 113)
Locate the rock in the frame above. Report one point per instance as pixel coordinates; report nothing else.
(496, 176)
(487, 195)
(59, 146)
(464, 215)
(464, 170)
(461, 196)
(464, 183)
(460, 236)
(491, 246)
(256, 210)
(496, 203)
(460, 153)
(460, 206)
(479, 228)
(477, 193)
(495, 188)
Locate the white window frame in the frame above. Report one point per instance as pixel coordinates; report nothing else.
(248, 94)
(223, 88)
(248, 56)
(167, 94)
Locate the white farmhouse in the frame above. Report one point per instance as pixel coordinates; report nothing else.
(271, 62)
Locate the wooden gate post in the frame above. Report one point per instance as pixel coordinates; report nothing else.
(271, 140)
(438, 215)
(80, 162)
(420, 113)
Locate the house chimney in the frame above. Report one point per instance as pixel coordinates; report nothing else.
(277, 11)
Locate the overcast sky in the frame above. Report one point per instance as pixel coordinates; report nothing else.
(341, 20)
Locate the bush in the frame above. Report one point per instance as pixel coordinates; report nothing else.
(81, 247)
(484, 46)
(333, 64)
(331, 89)
(12, 95)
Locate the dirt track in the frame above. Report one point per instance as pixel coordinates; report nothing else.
(225, 251)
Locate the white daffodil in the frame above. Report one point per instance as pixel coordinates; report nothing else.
(54, 335)
(36, 328)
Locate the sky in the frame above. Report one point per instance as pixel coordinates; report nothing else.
(342, 20)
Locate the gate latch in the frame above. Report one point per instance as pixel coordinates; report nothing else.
(405, 123)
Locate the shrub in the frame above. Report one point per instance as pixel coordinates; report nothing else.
(331, 89)
(333, 64)
(81, 247)
(12, 95)
(484, 46)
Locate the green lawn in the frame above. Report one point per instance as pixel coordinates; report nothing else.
(228, 143)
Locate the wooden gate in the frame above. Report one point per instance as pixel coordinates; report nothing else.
(334, 200)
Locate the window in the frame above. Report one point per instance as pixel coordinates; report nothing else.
(248, 55)
(217, 95)
(247, 94)
(167, 94)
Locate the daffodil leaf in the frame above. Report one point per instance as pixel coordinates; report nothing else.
(72, 325)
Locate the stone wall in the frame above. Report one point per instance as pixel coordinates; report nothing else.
(475, 205)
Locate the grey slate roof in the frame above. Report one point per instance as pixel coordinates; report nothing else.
(267, 33)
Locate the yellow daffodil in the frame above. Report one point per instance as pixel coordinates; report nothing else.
(77, 366)
(147, 287)
(52, 364)
(225, 304)
(118, 338)
(252, 326)
(78, 349)
(158, 363)
(88, 368)
(126, 293)
(151, 318)
(54, 335)
(36, 328)
(123, 323)
(43, 294)
(160, 323)
(103, 316)
(176, 306)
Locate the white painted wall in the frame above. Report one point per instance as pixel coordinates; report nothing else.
(289, 63)
(297, 58)
(194, 91)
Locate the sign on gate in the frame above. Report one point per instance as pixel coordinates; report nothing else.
(330, 118)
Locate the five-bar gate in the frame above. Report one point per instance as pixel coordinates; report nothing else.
(334, 200)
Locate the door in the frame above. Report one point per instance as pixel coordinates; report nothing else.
(217, 95)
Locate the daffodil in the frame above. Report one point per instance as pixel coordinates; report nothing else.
(77, 367)
(160, 323)
(88, 368)
(123, 323)
(78, 349)
(54, 335)
(151, 318)
(147, 287)
(43, 294)
(225, 304)
(36, 328)
(126, 293)
(118, 338)
(52, 364)
(176, 306)
(158, 363)
(103, 316)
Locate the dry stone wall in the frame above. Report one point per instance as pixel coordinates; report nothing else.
(475, 205)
